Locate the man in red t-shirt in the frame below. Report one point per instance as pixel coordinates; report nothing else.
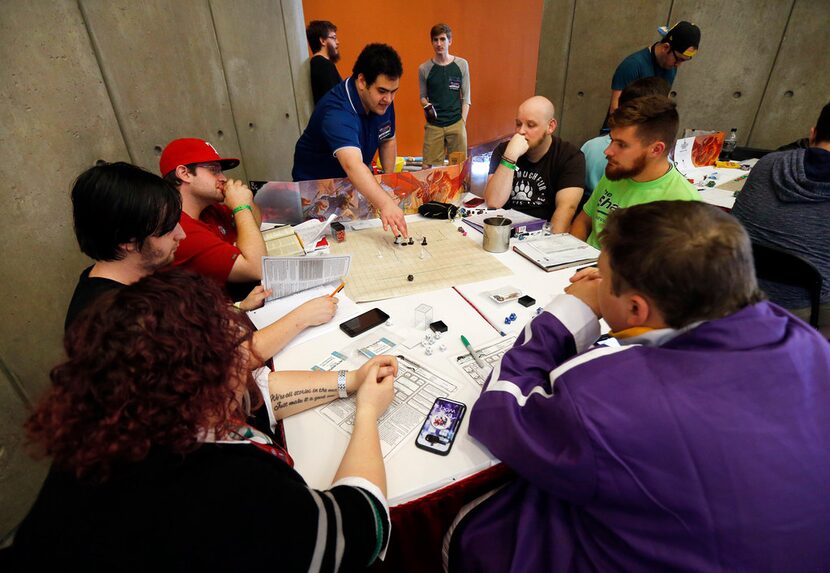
(219, 215)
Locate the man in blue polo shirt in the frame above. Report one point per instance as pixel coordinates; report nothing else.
(661, 59)
(350, 124)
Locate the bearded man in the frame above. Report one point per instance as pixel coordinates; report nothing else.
(536, 172)
(643, 131)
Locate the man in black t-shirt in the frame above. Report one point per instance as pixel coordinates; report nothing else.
(127, 221)
(535, 172)
(322, 38)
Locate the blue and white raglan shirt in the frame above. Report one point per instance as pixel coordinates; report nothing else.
(339, 121)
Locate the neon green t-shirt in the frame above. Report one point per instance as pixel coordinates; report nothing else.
(609, 195)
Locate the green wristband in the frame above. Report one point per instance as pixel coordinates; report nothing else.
(506, 163)
(242, 208)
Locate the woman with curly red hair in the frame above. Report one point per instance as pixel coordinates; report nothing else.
(155, 463)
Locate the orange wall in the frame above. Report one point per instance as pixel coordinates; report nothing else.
(499, 39)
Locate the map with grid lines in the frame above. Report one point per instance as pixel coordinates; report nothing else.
(380, 268)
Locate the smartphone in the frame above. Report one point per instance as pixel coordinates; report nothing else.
(364, 322)
(441, 426)
(474, 202)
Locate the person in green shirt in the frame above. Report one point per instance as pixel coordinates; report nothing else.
(643, 131)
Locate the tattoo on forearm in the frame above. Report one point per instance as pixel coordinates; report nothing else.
(302, 396)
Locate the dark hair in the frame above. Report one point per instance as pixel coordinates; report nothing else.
(377, 59)
(823, 125)
(655, 117)
(148, 366)
(318, 30)
(174, 180)
(692, 259)
(644, 87)
(439, 29)
(117, 203)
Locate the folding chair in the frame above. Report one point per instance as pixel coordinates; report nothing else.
(780, 266)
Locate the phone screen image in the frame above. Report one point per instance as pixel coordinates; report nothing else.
(441, 426)
(364, 322)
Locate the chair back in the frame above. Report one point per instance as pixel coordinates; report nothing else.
(780, 266)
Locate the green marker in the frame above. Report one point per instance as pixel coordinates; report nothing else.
(472, 352)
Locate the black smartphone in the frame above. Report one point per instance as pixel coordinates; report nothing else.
(364, 322)
(441, 426)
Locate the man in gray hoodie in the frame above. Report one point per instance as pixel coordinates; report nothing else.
(785, 203)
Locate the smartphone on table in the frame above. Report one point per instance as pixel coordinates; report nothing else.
(441, 426)
(363, 322)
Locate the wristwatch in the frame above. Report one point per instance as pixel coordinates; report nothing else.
(341, 384)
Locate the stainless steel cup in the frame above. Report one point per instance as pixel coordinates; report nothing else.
(497, 234)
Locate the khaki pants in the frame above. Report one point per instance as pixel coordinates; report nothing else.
(440, 141)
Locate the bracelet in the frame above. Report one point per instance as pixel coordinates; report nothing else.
(341, 384)
(508, 164)
(242, 208)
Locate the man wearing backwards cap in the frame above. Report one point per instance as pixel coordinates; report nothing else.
(219, 215)
(662, 59)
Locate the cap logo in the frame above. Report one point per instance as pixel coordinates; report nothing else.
(211, 146)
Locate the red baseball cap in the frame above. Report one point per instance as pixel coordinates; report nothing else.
(191, 150)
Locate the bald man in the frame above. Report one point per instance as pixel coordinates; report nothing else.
(536, 172)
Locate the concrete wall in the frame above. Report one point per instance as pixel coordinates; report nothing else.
(88, 80)
(761, 65)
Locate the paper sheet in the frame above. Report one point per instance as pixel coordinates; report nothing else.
(490, 353)
(289, 275)
(416, 388)
(310, 231)
(381, 269)
(274, 310)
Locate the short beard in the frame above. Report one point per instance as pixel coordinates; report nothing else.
(617, 173)
(335, 57)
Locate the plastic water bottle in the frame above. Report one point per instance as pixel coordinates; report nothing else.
(729, 144)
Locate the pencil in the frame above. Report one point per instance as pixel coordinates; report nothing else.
(338, 289)
(475, 308)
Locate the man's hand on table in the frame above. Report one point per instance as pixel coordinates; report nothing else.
(393, 219)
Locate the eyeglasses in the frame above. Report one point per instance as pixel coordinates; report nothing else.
(332, 37)
(213, 168)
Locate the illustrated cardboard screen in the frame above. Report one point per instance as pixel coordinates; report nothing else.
(294, 202)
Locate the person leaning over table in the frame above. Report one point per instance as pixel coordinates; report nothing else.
(353, 121)
(536, 172)
(155, 466)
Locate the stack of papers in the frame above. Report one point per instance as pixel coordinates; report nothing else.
(556, 252)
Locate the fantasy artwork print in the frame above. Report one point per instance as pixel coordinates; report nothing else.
(286, 202)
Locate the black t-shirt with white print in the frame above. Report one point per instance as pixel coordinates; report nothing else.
(535, 184)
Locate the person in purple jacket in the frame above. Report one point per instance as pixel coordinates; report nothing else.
(699, 443)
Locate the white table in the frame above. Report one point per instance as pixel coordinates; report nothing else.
(715, 195)
(317, 446)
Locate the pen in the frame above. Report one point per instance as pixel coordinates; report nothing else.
(490, 322)
(338, 289)
(472, 352)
